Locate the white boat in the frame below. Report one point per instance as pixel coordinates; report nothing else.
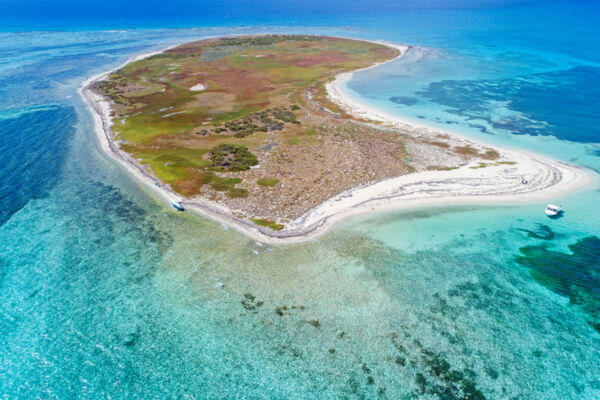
(177, 205)
(552, 210)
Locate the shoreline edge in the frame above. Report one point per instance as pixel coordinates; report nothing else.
(495, 185)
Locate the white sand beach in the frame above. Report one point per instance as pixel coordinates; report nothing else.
(497, 183)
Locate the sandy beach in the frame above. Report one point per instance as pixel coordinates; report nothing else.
(498, 183)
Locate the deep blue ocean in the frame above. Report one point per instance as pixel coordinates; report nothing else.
(107, 293)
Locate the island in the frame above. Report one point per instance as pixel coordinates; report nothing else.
(256, 131)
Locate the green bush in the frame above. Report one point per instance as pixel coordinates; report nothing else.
(268, 182)
(265, 222)
(232, 157)
(225, 185)
(264, 40)
(237, 192)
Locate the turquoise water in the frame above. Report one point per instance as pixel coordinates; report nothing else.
(104, 292)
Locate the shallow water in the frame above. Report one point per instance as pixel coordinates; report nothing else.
(105, 292)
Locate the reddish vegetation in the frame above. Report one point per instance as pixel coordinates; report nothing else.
(323, 58)
(190, 186)
(246, 85)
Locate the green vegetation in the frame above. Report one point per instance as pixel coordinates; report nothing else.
(267, 223)
(225, 185)
(221, 184)
(268, 182)
(237, 192)
(267, 40)
(272, 119)
(254, 88)
(440, 168)
(480, 165)
(171, 56)
(231, 157)
(466, 150)
(490, 154)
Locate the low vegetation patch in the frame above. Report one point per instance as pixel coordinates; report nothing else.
(270, 224)
(466, 150)
(440, 168)
(271, 119)
(223, 184)
(480, 165)
(443, 145)
(268, 182)
(237, 192)
(231, 157)
(267, 40)
(490, 154)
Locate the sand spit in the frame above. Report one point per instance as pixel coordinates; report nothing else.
(497, 183)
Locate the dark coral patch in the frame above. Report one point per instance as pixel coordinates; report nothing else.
(575, 275)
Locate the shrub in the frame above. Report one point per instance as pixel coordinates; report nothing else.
(232, 157)
(491, 154)
(466, 150)
(237, 192)
(265, 222)
(224, 184)
(244, 133)
(268, 182)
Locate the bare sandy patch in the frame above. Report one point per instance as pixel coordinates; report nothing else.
(198, 87)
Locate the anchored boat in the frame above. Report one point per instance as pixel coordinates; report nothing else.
(177, 205)
(552, 210)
